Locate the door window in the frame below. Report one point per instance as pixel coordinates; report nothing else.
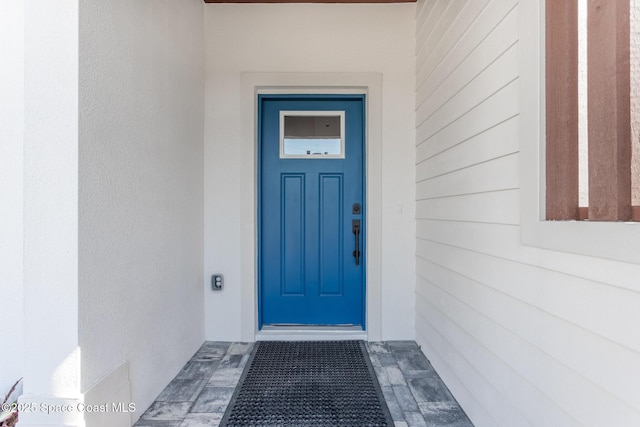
(312, 134)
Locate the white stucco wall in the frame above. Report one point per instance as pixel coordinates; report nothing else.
(51, 197)
(141, 86)
(51, 209)
(11, 158)
(307, 38)
(529, 322)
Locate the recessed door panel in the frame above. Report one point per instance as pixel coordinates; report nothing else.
(331, 235)
(292, 234)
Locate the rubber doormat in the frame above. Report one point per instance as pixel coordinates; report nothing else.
(323, 383)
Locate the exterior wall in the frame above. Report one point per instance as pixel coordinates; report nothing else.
(141, 87)
(298, 38)
(522, 335)
(11, 158)
(50, 218)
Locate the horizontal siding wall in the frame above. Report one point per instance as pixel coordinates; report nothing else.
(522, 336)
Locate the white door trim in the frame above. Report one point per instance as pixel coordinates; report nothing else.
(253, 84)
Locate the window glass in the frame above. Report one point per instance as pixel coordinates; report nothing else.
(312, 134)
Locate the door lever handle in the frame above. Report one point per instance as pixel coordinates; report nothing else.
(355, 226)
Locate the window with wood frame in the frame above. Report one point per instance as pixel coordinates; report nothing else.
(593, 110)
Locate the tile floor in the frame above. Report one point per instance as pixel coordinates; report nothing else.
(199, 394)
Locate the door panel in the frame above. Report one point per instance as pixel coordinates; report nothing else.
(331, 235)
(307, 271)
(292, 234)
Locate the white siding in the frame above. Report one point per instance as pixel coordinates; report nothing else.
(522, 336)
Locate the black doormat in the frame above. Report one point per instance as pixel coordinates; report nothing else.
(328, 383)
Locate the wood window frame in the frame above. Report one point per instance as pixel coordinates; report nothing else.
(561, 51)
(609, 111)
(612, 240)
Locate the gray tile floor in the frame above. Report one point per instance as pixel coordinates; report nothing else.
(199, 394)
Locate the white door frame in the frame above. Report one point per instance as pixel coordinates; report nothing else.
(253, 84)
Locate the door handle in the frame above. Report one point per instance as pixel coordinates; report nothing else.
(355, 227)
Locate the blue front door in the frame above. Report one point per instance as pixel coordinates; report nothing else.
(311, 239)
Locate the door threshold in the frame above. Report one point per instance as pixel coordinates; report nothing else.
(310, 333)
